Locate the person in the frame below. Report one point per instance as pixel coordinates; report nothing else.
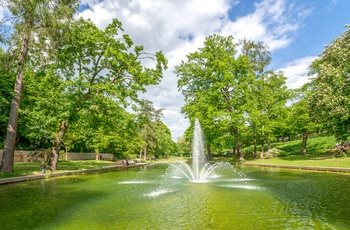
(42, 166)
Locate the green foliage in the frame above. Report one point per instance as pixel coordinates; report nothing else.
(214, 82)
(183, 147)
(155, 135)
(94, 76)
(165, 146)
(316, 146)
(330, 87)
(235, 97)
(7, 74)
(299, 120)
(45, 103)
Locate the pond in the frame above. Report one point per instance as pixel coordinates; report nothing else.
(154, 197)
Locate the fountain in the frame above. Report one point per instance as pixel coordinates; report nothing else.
(161, 196)
(201, 169)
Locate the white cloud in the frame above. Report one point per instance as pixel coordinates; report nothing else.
(178, 27)
(272, 22)
(297, 71)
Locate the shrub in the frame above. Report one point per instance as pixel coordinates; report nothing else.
(271, 153)
(342, 150)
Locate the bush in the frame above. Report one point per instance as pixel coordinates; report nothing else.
(271, 153)
(342, 150)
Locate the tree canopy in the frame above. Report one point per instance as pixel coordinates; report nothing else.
(83, 79)
(330, 98)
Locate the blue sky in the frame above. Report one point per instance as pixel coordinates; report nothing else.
(296, 32)
(326, 21)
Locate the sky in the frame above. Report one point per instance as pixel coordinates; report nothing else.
(295, 31)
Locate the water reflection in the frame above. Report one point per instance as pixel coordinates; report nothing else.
(152, 199)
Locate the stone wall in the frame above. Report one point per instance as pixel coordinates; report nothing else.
(37, 156)
(86, 156)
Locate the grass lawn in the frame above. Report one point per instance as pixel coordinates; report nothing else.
(32, 168)
(319, 153)
(308, 160)
(171, 159)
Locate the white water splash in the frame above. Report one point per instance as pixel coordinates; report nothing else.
(157, 193)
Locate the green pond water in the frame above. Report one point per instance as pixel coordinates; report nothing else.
(156, 198)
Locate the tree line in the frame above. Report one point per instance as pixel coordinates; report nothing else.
(67, 83)
(241, 102)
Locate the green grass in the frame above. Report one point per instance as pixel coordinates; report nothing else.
(319, 153)
(315, 146)
(171, 159)
(305, 161)
(32, 168)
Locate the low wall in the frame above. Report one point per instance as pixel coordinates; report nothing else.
(27, 156)
(86, 156)
(37, 156)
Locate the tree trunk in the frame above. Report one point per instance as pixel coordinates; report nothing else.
(10, 141)
(238, 146)
(209, 152)
(255, 147)
(262, 143)
(262, 148)
(303, 145)
(145, 153)
(55, 150)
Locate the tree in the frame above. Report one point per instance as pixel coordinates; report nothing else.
(259, 58)
(6, 81)
(216, 77)
(147, 118)
(36, 19)
(268, 94)
(300, 117)
(164, 144)
(330, 98)
(183, 146)
(95, 66)
(272, 96)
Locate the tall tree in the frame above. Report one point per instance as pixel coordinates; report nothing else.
(330, 87)
(38, 20)
(183, 146)
(268, 94)
(94, 66)
(259, 58)
(300, 118)
(165, 146)
(217, 77)
(148, 116)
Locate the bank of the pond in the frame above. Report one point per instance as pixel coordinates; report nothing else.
(64, 173)
(313, 168)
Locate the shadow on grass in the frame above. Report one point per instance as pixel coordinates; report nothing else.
(316, 148)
